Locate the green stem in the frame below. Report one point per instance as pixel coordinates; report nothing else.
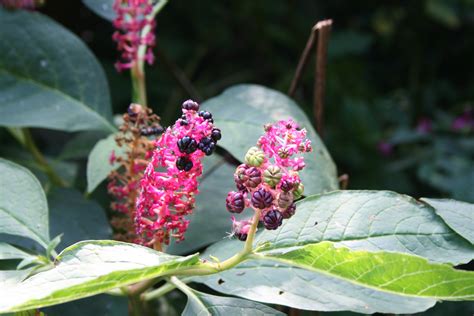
(162, 290)
(38, 156)
(138, 70)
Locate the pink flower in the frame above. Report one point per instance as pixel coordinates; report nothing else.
(132, 18)
(269, 179)
(169, 186)
(464, 121)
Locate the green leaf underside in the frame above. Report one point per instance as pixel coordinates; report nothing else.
(103, 8)
(23, 206)
(41, 83)
(374, 221)
(241, 111)
(76, 217)
(8, 251)
(98, 164)
(325, 278)
(458, 215)
(204, 304)
(90, 268)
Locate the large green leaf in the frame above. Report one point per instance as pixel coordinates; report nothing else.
(103, 8)
(23, 206)
(8, 251)
(360, 220)
(49, 78)
(241, 111)
(89, 268)
(375, 221)
(76, 218)
(328, 278)
(98, 164)
(458, 215)
(204, 304)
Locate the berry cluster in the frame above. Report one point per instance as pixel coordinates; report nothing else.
(124, 180)
(169, 185)
(131, 19)
(268, 181)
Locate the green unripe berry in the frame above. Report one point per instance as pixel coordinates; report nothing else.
(298, 191)
(254, 157)
(272, 175)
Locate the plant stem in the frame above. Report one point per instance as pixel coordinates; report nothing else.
(162, 290)
(30, 145)
(138, 70)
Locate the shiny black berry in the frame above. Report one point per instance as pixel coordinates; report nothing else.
(183, 122)
(272, 219)
(241, 236)
(187, 145)
(184, 163)
(207, 146)
(205, 115)
(216, 134)
(190, 105)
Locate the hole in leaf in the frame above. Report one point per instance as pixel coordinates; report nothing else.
(280, 292)
(220, 281)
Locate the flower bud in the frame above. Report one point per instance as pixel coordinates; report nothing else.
(285, 199)
(235, 202)
(272, 175)
(298, 191)
(272, 219)
(262, 199)
(290, 211)
(239, 174)
(240, 229)
(254, 157)
(283, 153)
(252, 177)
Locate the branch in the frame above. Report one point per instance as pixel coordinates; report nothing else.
(324, 30)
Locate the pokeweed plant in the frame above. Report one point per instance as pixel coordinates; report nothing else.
(307, 244)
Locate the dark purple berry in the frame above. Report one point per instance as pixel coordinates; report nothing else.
(184, 163)
(183, 122)
(241, 236)
(216, 134)
(187, 145)
(205, 115)
(210, 149)
(252, 177)
(272, 219)
(290, 211)
(235, 202)
(286, 185)
(262, 199)
(190, 105)
(207, 145)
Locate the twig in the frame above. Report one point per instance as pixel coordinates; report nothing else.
(324, 30)
(303, 61)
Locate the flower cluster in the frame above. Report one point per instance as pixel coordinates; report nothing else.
(133, 17)
(136, 134)
(268, 181)
(169, 185)
(21, 4)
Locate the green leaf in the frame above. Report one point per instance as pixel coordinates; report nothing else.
(89, 268)
(49, 78)
(103, 8)
(241, 111)
(98, 164)
(77, 218)
(204, 304)
(23, 206)
(328, 278)
(8, 251)
(80, 146)
(458, 215)
(372, 220)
